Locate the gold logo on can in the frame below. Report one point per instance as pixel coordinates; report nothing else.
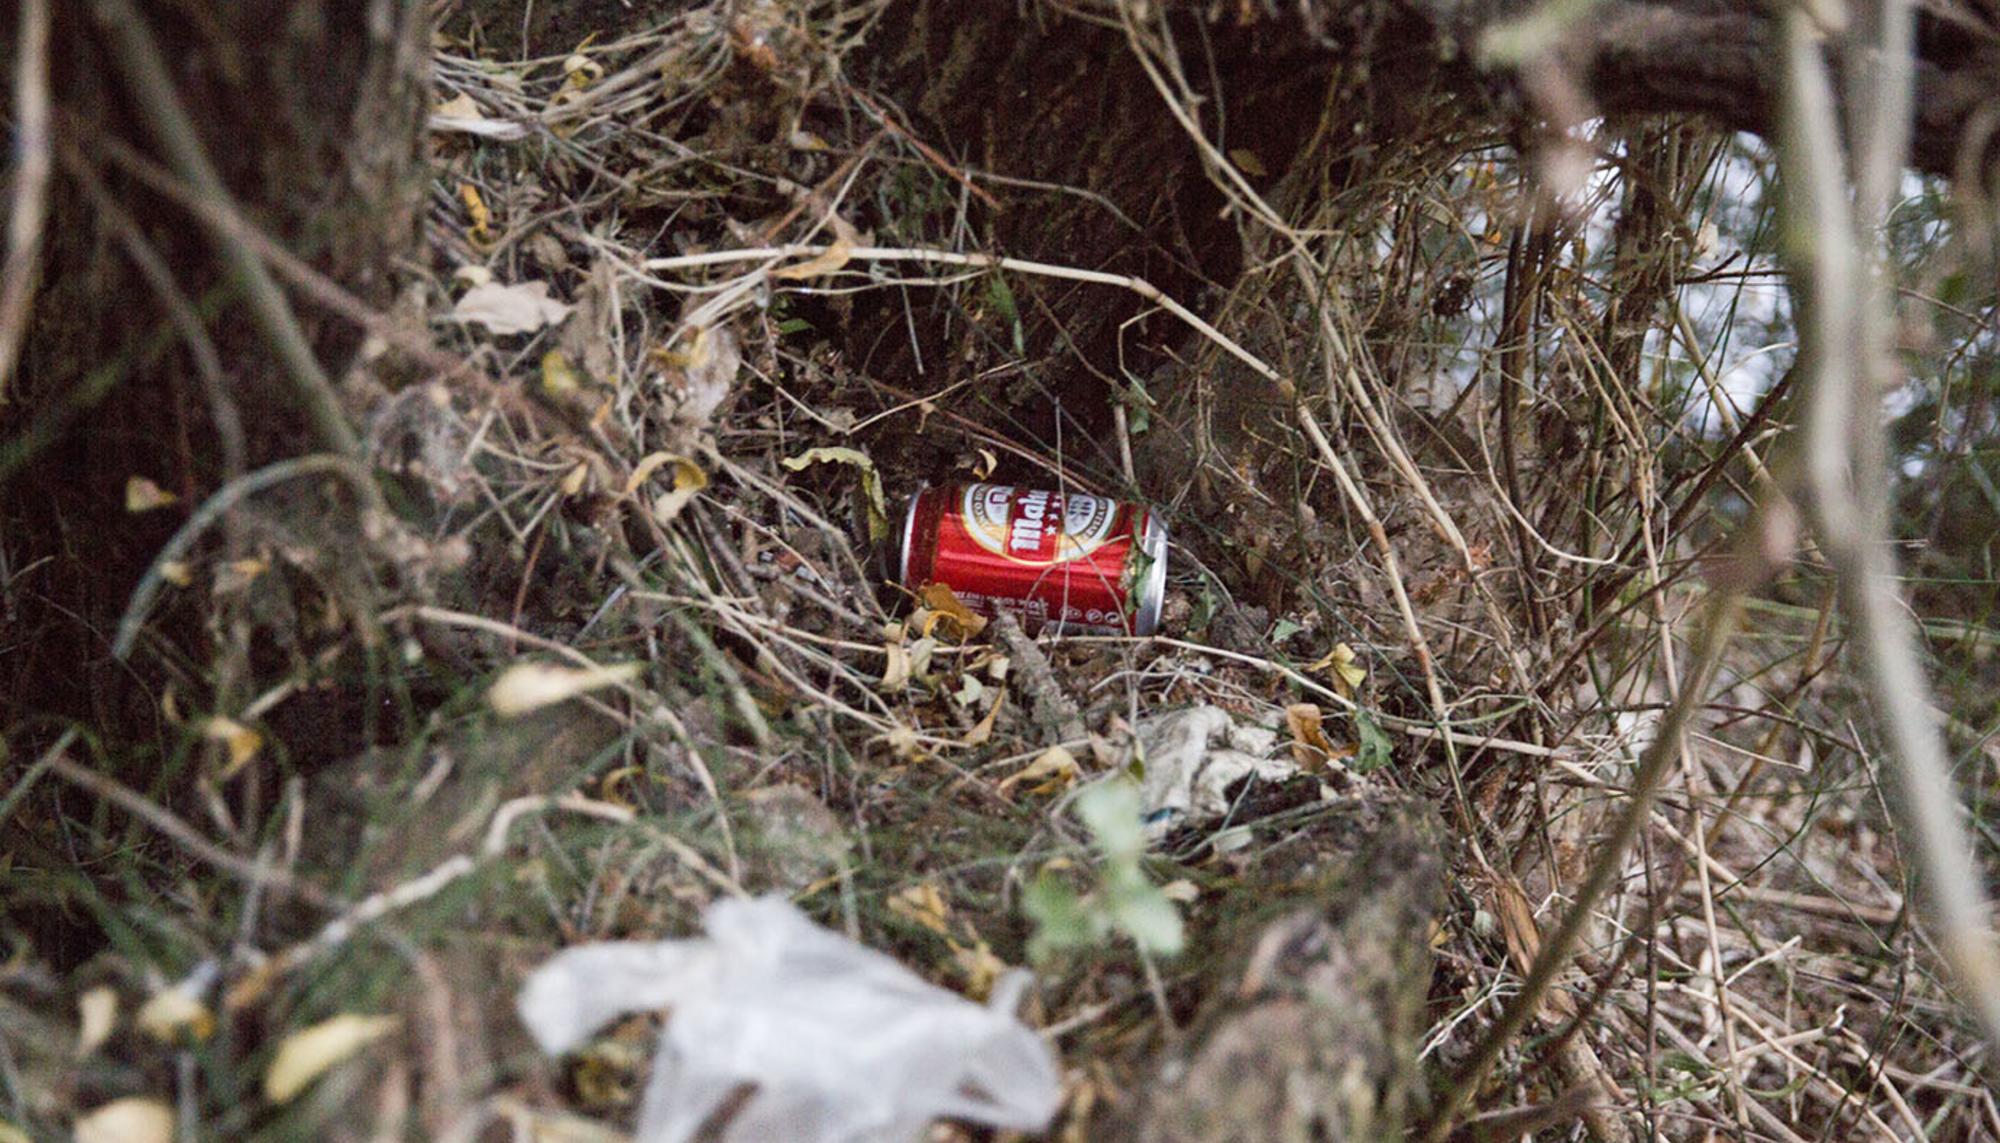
(1036, 526)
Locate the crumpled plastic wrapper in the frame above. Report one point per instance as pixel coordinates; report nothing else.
(1193, 756)
(841, 1043)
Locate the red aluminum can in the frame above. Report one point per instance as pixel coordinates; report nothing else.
(1079, 564)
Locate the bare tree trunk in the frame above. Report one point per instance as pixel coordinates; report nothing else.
(142, 357)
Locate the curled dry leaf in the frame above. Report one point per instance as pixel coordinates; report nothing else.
(142, 495)
(236, 575)
(923, 904)
(305, 1055)
(132, 1120)
(986, 463)
(523, 307)
(526, 687)
(480, 233)
(970, 693)
(1053, 771)
(944, 605)
(689, 479)
(1310, 747)
(1347, 674)
(560, 379)
(978, 735)
(176, 1012)
(242, 742)
(830, 261)
(982, 969)
(895, 668)
(903, 741)
(580, 71)
(96, 1016)
(871, 482)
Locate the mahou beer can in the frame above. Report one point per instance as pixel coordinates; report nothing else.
(1081, 565)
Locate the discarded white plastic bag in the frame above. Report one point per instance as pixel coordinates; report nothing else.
(1193, 756)
(842, 1043)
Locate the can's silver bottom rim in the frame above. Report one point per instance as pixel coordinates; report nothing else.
(1153, 590)
(909, 532)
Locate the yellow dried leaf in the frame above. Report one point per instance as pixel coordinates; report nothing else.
(895, 668)
(923, 904)
(12, 1134)
(921, 653)
(981, 968)
(1347, 674)
(526, 687)
(243, 742)
(1310, 748)
(1053, 771)
(942, 603)
(978, 735)
(239, 574)
(560, 379)
(580, 71)
(132, 1120)
(647, 466)
(1247, 161)
(305, 1055)
(986, 464)
(689, 479)
(142, 495)
(96, 1016)
(174, 1013)
(177, 572)
(480, 233)
(668, 506)
(252, 986)
(871, 482)
(903, 742)
(574, 481)
(828, 261)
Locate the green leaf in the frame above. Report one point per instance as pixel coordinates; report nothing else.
(1374, 749)
(1149, 918)
(1002, 298)
(1139, 406)
(1112, 811)
(1060, 917)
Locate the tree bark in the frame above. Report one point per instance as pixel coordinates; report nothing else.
(1312, 1034)
(1720, 59)
(311, 114)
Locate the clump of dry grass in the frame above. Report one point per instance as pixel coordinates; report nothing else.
(1470, 457)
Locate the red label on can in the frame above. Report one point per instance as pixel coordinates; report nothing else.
(1085, 563)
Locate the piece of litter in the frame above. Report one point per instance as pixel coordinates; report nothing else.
(838, 1042)
(1193, 757)
(520, 308)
